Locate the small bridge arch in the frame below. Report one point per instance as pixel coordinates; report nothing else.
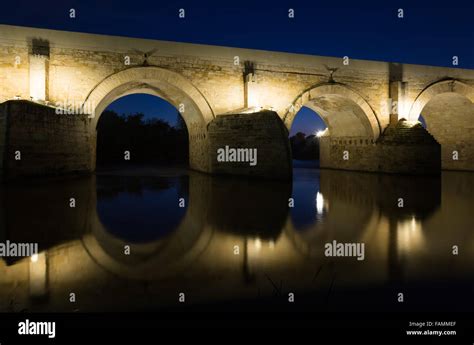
(345, 112)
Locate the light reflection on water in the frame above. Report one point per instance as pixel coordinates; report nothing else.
(237, 240)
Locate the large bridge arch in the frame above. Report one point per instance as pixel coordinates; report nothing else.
(345, 112)
(163, 83)
(448, 109)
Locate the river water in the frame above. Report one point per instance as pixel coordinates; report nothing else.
(158, 239)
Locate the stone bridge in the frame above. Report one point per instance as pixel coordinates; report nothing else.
(54, 86)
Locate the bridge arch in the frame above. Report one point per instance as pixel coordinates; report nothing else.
(447, 107)
(163, 83)
(450, 86)
(345, 112)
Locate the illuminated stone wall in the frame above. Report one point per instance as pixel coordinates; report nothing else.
(263, 132)
(403, 148)
(38, 141)
(87, 59)
(361, 155)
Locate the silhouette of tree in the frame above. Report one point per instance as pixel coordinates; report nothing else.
(151, 141)
(304, 147)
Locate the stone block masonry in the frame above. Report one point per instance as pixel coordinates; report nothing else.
(408, 149)
(403, 148)
(37, 141)
(263, 131)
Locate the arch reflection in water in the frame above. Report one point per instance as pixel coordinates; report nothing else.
(219, 207)
(199, 255)
(352, 207)
(141, 209)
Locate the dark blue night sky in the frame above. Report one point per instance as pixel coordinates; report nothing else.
(430, 33)
(150, 106)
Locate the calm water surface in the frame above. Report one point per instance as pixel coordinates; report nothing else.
(138, 238)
